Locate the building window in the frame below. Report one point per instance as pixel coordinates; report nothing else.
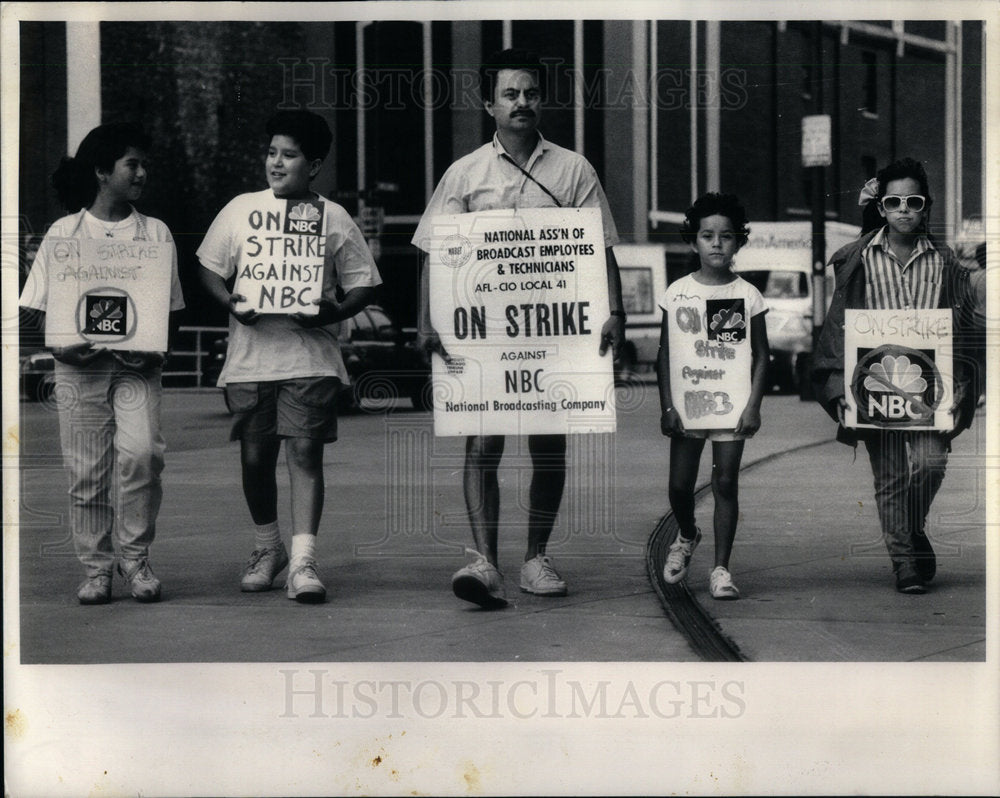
(870, 62)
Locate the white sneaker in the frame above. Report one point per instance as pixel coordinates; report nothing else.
(721, 584)
(539, 576)
(679, 557)
(480, 582)
(303, 583)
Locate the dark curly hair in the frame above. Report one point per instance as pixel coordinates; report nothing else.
(75, 180)
(900, 170)
(508, 59)
(309, 130)
(715, 204)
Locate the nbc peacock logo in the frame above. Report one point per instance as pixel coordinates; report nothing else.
(106, 314)
(727, 320)
(896, 386)
(303, 217)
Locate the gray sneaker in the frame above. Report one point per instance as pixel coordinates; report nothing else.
(95, 589)
(141, 579)
(539, 576)
(679, 558)
(262, 567)
(480, 582)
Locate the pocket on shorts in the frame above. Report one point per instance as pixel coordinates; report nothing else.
(316, 391)
(242, 397)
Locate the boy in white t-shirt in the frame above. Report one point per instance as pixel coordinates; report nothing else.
(713, 310)
(283, 372)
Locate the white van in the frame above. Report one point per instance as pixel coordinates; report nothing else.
(777, 260)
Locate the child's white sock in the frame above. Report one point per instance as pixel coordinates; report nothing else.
(303, 547)
(267, 536)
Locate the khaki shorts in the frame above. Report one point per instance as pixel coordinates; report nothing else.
(300, 408)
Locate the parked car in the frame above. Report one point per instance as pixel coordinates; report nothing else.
(212, 366)
(38, 377)
(382, 361)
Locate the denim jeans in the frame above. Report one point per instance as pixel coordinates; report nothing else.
(109, 424)
(908, 468)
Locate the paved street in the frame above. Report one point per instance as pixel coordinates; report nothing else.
(815, 578)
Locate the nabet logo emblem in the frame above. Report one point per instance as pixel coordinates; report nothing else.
(456, 251)
(303, 217)
(896, 385)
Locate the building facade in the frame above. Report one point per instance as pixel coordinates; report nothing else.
(665, 110)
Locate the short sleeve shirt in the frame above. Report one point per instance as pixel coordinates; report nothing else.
(276, 347)
(688, 292)
(485, 180)
(135, 227)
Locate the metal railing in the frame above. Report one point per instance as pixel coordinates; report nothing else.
(194, 355)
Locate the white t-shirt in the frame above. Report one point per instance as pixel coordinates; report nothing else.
(276, 347)
(83, 224)
(711, 355)
(687, 290)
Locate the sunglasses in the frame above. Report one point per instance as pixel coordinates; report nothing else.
(893, 202)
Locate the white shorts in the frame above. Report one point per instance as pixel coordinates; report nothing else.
(717, 435)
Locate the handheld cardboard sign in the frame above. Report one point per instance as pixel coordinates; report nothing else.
(281, 262)
(519, 299)
(114, 294)
(897, 369)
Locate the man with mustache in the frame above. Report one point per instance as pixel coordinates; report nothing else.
(517, 169)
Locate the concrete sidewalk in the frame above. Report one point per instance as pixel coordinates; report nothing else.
(815, 578)
(393, 532)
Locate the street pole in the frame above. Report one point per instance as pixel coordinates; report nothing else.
(818, 200)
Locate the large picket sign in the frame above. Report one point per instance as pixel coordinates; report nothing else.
(519, 299)
(113, 294)
(898, 369)
(710, 361)
(281, 265)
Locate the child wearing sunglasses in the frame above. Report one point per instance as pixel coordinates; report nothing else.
(898, 266)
